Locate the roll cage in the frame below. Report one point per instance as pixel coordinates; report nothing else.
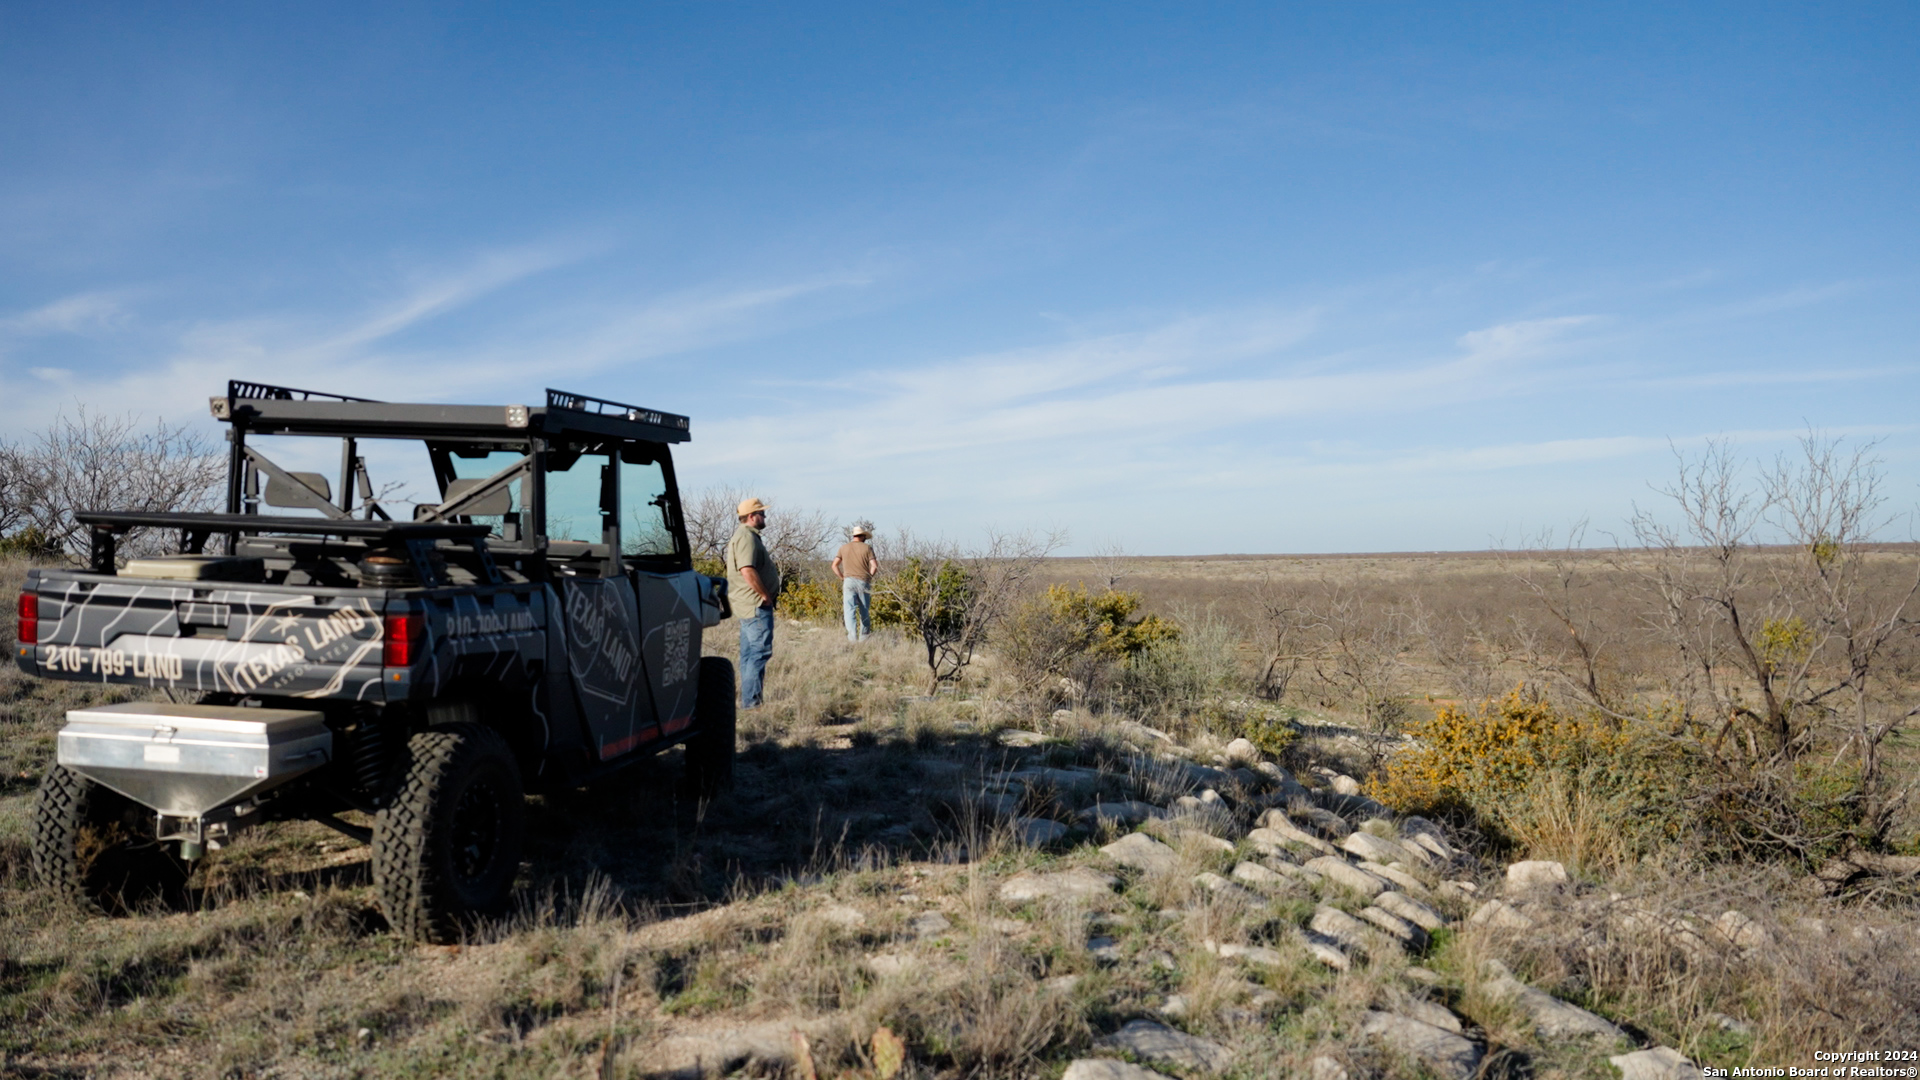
(528, 444)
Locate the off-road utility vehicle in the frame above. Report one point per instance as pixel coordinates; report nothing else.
(532, 626)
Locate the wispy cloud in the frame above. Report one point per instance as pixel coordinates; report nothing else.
(82, 313)
(439, 294)
(1519, 339)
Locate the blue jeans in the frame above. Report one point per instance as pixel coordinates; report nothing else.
(856, 607)
(756, 645)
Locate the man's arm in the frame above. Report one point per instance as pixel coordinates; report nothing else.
(836, 567)
(873, 565)
(753, 580)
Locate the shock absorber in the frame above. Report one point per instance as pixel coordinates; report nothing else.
(370, 754)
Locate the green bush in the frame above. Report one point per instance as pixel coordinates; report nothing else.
(29, 543)
(921, 597)
(1070, 633)
(805, 599)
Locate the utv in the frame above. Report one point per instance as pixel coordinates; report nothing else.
(533, 627)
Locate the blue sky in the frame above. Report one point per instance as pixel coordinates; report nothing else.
(1188, 278)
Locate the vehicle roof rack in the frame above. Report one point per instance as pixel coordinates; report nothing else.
(242, 390)
(261, 408)
(561, 399)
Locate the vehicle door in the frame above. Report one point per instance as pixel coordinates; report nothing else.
(599, 610)
(653, 546)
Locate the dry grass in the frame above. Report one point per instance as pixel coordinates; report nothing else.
(646, 928)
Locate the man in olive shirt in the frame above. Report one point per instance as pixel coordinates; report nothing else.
(753, 584)
(856, 566)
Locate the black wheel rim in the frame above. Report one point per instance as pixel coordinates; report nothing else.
(475, 834)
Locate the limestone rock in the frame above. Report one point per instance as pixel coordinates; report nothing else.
(1742, 932)
(1357, 807)
(764, 1046)
(1428, 1012)
(1410, 909)
(1431, 835)
(1535, 873)
(1252, 954)
(1449, 1055)
(1500, 915)
(1659, 1063)
(1258, 876)
(1346, 875)
(930, 925)
(1143, 853)
(1108, 1069)
(1105, 949)
(1399, 929)
(1552, 1018)
(1016, 737)
(1130, 812)
(1243, 752)
(1220, 886)
(1157, 1043)
(1394, 875)
(1345, 785)
(1049, 779)
(1339, 926)
(1369, 846)
(1269, 839)
(1140, 733)
(1077, 884)
(844, 916)
(1325, 950)
(1327, 824)
(1037, 832)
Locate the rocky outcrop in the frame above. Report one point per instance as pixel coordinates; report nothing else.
(1159, 1044)
(1551, 1018)
(1447, 1054)
(1143, 853)
(1078, 884)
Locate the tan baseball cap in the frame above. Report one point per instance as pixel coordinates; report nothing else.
(751, 506)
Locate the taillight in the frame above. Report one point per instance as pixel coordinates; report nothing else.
(401, 637)
(28, 627)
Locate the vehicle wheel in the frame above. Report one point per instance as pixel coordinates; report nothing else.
(446, 846)
(95, 847)
(710, 750)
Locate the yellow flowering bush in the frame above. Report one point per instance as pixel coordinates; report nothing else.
(1535, 776)
(802, 598)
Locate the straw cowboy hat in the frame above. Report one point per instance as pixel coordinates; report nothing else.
(751, 506)
(859, 529)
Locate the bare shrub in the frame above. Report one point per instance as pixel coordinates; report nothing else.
(1781, 652)
(793, 535)
(951, 600)
(97, 462)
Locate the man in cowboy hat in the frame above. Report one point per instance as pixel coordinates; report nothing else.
(855, 566)
(753, 583)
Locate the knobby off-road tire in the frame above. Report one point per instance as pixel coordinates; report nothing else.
(710, 750)
(447, 845)
(95, 848)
